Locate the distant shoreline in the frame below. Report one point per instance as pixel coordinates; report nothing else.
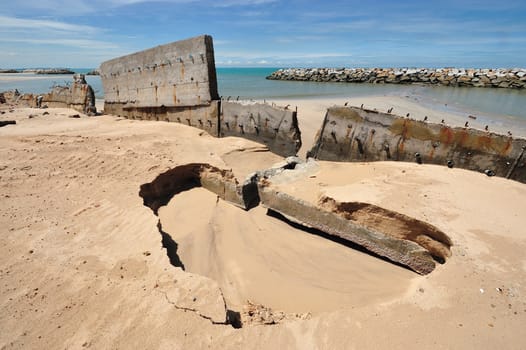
(57, 71)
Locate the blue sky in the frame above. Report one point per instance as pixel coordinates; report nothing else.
(273, 33)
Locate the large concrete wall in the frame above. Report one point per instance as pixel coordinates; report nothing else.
(179, 74)
(355, 134)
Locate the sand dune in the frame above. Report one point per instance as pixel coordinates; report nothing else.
(82, 263)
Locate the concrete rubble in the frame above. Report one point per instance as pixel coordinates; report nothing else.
(79, 96)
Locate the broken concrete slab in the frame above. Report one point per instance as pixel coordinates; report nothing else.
(397, 237)
(79, 96)
(276, 127)
(401, 251)
(184, 177)
(353, 134)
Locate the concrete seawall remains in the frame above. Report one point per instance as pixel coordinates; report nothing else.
(352, 134)
(177, 82)
(79, 96)
(498, 78)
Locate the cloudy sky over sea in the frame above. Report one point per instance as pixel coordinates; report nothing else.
(274, 33)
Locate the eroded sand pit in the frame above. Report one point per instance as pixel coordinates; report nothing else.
(259, 258)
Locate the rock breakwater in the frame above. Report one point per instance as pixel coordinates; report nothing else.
(514, 78)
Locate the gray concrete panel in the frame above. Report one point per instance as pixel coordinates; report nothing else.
(273, 126)
(178, 74)
(354, 134)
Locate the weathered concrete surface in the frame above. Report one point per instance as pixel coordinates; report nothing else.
(78, 96)
(202, 117)
(184, 177)
(355, 134)
(273, 126)
(402, 251)
(288, 189)
(180, 74)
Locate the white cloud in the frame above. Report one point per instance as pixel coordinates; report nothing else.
(19, 34)
(78, 43)
(38, 24)
(56, 7)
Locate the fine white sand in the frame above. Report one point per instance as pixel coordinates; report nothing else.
(82, 265)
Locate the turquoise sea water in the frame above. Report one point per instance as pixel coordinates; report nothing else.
(250, 83)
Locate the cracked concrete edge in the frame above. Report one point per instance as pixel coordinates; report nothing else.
(401, 251)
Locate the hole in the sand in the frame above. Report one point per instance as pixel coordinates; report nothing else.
(263, 261)
(259, 256)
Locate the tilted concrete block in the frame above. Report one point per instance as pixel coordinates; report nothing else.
(397, 237)
(179, 74)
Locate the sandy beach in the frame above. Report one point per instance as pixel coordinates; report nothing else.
(83, 263)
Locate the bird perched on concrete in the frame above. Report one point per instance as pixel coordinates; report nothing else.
(390, 110)
(407, 115)
(425, 118)
(442, 121)
(486, 128)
